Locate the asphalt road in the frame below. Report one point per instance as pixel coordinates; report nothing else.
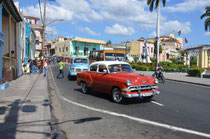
(181, 105)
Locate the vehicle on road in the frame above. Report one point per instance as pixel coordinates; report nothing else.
(106, 55)
(118, 80)
(78, 64)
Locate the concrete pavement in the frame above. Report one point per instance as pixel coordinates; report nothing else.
(181, 77)
(25, 109)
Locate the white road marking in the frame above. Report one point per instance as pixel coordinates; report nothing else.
(157, 103)
(171, 127)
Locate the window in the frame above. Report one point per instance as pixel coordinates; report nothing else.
(85, 51)
(66, 48)
(63, 49)
(101, 68)
(59, 49)
(93, 68)
(94, 48)
(77, 49)
(151, 49)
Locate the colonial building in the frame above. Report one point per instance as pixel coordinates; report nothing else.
(9, 19)
(38, 29)
(75, 47)
(203, 55)
(170, 46)
(134, 48)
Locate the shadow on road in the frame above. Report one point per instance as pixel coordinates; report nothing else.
(108, 97)
(80, 121)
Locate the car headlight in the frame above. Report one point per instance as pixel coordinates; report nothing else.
(156, 81)
(128, 82)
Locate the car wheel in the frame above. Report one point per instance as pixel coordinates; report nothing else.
(84, 88)
(117, 96)
(148, 98)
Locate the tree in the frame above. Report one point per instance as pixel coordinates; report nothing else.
(108, 42)
(151, 7)
(207, 21)
(193, 61)
(155, 49)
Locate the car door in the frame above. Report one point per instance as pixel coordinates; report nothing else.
(92, 78)
(103, 81)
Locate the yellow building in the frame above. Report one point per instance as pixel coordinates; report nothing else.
(203, 55)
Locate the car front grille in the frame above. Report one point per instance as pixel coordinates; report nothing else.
(142, 87)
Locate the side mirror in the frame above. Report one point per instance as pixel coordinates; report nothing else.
(105, 71)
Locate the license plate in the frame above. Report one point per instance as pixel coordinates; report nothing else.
(147, 94)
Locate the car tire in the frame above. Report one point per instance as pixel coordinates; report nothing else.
(117, 96)
(85, 89)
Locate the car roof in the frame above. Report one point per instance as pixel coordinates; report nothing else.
(79, 57)
(108, 62)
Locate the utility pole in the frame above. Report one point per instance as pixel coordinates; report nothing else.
(43, 36)
(64, 51)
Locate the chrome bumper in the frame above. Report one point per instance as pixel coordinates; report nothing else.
(139, 94)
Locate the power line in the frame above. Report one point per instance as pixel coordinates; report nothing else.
(40, 10)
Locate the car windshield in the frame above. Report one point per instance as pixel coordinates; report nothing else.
(119, 68)
(81, 60)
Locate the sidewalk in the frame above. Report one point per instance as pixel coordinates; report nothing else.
(181, 77)
(24, 109)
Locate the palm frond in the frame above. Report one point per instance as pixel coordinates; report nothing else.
(151, 5)
(207, 8)
(157, 3)
(148, 2)
(164, 3)
(207, 24)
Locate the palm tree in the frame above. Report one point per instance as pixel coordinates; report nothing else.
(207, 21)
(157, 5)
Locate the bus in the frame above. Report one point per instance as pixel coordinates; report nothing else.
(106, 55)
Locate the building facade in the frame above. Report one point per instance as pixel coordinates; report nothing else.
(75, 47)
(170, 46)
(9, 40)
(38, 29)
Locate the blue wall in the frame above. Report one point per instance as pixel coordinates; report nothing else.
(1, 41)
(82, 45)
(28, 34)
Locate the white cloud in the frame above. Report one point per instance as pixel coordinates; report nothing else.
(52, 12)
(187, 6)
(206, 34)
(171, 26)
(89, 31)
(51, 30)
(119, 30)
(152, 35)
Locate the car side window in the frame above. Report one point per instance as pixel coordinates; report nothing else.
(101, 68)
(93, 68)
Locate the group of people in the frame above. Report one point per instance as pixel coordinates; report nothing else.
(34, 66)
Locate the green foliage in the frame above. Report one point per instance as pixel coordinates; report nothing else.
(156, 2)
(195, 72)
(176, 61)
(108, 42)
(193, 61)
(136, 58)
(160, 48)
(153, 59)
(142, 67)
(207, 21)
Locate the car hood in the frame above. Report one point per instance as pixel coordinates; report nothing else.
(136, 79)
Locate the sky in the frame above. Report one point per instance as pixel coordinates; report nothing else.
(121, 20)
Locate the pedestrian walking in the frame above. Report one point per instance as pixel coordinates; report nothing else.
(61, 72)
(45, 69)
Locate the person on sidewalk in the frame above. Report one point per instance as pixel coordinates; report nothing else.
(61, 64)
(45, 69)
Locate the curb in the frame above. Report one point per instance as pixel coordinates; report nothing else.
(206, 85)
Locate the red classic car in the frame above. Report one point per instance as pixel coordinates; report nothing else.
(118, 79)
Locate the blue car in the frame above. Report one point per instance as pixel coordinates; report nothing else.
(78, 64)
